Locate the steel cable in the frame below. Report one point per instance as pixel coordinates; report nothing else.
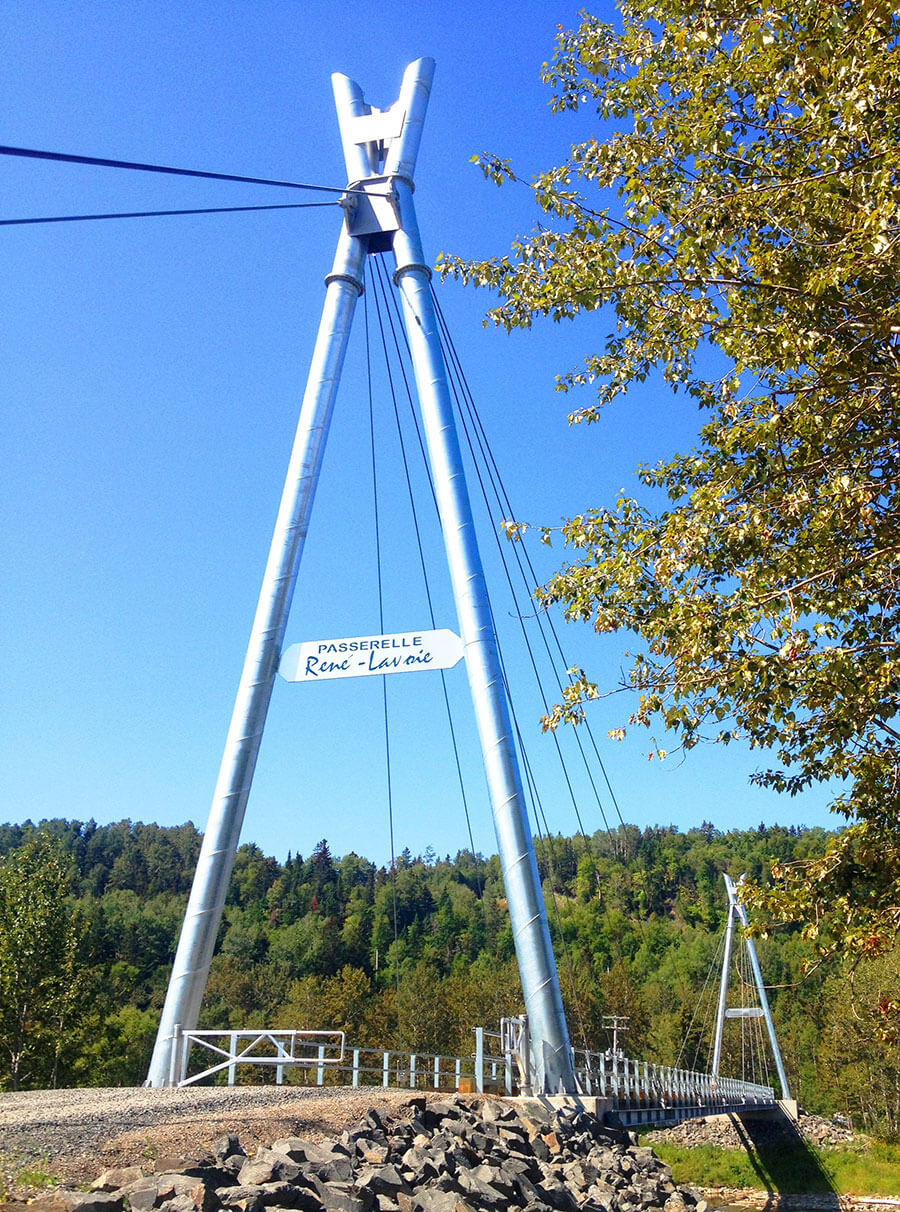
(155, 214)
(384, 690)
(379, 277)
(508, 512)
(135, 165)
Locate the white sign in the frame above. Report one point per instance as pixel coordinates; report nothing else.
(405, 652)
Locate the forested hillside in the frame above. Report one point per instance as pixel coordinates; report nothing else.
(417, 957)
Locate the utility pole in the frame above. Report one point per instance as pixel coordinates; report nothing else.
(380, 150)
(615, 1023)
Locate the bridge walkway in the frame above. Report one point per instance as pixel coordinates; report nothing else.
(636, 1092)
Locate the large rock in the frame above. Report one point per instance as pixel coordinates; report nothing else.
(344, 1197)
(317, 1153)
(382, 1180)
(161, 1190)
(268, 1166)
(64, 1200)
(269, 1195)
(114, 1180)
(226, 1147)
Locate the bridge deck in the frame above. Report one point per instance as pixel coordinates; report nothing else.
(637, 1092)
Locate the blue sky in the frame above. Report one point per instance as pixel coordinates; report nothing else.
(153, 370)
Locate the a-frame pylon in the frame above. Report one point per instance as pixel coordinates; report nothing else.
(380, 151)
(737, 913)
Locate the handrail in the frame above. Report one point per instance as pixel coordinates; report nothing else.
(641, 1091)
(637, 1091)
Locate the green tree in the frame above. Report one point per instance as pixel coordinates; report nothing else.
(858, 1058)
(736, 221)
(41, 972)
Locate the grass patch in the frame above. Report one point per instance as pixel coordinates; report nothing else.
(871, 1171)
(16, 1173)
(788, 1170)
(36, 1174)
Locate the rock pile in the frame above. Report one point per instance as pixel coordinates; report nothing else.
(444, 1157)
(730, 1132)
(826, 1132)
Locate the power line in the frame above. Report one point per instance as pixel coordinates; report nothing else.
(151, 214)
(65, 158)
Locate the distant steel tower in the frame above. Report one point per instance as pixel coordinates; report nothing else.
(736, 911)
(380, 150)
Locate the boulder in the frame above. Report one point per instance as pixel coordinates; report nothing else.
(382, 1180)
(269, 1166)
(344, 1197)
(113, 1180)
(63, 1200)
(227, 1146)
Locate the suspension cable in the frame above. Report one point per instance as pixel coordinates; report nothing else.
(543, 619)
(463, 396)
(537, 807)
(487, 458)
(154, 214)
(699, 1002)
(99, 162)
(384, 689)
(379, 277)
(460, 395)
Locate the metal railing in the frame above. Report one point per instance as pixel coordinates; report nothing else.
(638, 1091)
(642, 1092)
(493, 1072)
(324, 1058)
(271, 1049)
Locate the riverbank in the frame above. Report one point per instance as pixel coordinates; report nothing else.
(749, 1199)
(769, 1163)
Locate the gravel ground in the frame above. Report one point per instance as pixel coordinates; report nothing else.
(73, 1135)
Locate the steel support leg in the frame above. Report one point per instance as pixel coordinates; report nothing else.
(723, 984)
(551, 1053)
(761, 991)
(204, 911)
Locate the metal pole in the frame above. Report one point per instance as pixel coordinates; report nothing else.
(761, 991)
(723, 981)
(551, 1055)
(479, 1060)
(204, 911)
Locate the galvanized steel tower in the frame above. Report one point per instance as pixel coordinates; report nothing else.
(737, 912)
(380, 151)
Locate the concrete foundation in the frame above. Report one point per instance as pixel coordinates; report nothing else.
(578, 1102)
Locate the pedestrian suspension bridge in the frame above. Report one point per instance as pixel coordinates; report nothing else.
(532, 1054)
(637, 1092)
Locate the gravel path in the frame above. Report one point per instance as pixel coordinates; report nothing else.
(73, 1135)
